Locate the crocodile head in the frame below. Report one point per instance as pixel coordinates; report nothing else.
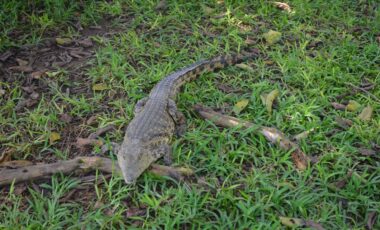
(134, 158)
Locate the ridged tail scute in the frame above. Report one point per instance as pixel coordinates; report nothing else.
(191, 72)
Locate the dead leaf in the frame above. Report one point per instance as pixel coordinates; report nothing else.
(228, 89)
(283, 6)
(366, 114)
(343, 122)
(303, 135)
(245, 67)
(34, 95)
(297, 222)
(21, 62)
(352, 106)
(54, 136)
(65, 118)
(38, 74)
(20, 188)
(23, 68)
(83, 142)
(79, 54)
(135, 211)
(63, 41)
(366, 152)
(86, 43)
(371, 220)
(338, 106)
(272, 37)
(6, 154)
(2, 91)
(99, 87)
(98, 204)
(161, 5)
(268, 99)
(28, 89)
(91, 120)
(343, 182)
(240, 105)
(291, 222)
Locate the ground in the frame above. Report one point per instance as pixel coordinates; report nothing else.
(69, 68)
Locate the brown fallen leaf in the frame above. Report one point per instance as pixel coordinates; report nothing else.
(65, 118)
(91, 120)
(283, 6)
(352, 106)
(297, 222)
(240, 105)
(21, 62)
(343, 122)
(371, 220)
(340, 184)
(366, 114)
(38, 74)
(338, 106)
(366, 152)
(272, 37)
(228, 89)
(86, 43)
(23, 68)
(83, 142)
(161, 5)
(135, 211)
(6, 155)
(268, 99)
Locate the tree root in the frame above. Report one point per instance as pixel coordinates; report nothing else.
(271, 134)
(79, 165)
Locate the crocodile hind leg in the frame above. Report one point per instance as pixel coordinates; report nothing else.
(178, 117)
(140, 105)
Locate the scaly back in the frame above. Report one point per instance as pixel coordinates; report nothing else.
(169, 86)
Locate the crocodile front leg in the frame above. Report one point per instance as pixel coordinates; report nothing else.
(166, 151)
(140, 105)
(178, 117)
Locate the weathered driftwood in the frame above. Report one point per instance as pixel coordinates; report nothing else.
(271, 134)
(79, 164)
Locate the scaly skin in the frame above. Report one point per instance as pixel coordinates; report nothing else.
(148, 135)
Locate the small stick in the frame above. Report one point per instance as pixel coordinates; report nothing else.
(79, 164)
(271, 134)
(363, 90)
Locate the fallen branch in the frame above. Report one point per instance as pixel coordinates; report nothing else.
(79, 164)
(271, 134)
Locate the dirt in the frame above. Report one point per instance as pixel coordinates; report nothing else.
(35, 68)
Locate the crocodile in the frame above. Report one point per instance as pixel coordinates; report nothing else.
(157, 119)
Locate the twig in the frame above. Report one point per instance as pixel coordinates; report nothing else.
(79, 164)
(363, 90)
(271, 134)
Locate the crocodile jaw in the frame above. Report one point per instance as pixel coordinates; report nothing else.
(134, 159)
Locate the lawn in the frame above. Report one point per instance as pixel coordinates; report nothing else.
(69, 68)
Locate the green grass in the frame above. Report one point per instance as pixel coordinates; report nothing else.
(250, 182)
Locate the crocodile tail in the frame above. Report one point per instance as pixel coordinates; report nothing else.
(189, 73)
